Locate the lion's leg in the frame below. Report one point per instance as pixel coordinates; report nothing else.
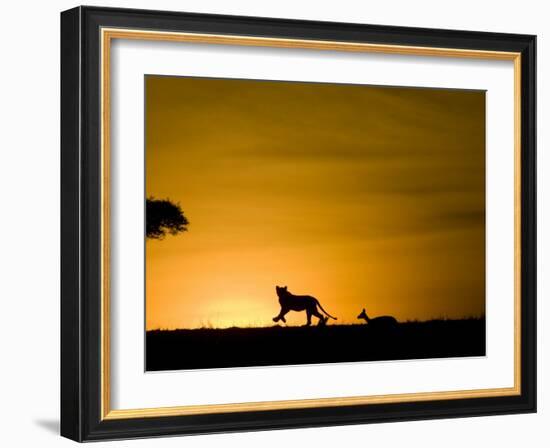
(308, 318)
(322, 319)
(281, 315)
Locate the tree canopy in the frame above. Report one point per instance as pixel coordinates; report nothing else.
(162, 216)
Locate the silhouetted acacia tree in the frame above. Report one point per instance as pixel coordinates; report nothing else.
(163, 216)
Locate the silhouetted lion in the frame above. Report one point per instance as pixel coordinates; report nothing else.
(290, 302)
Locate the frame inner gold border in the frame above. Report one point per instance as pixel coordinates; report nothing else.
(107, 35)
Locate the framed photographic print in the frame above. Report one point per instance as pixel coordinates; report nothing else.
(273, 223)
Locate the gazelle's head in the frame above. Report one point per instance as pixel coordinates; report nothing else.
(363, 315)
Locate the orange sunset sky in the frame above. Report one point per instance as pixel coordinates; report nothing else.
(361, 196)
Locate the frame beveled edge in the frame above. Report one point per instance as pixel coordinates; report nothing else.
(97, 421)
(71, 325)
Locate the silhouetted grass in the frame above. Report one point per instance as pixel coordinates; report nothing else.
(265, 346)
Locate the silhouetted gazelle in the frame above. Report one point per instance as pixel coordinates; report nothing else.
(378, 322)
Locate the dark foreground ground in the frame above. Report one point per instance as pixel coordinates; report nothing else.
(244, 347)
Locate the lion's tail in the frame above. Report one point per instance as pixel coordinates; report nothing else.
(321, 306)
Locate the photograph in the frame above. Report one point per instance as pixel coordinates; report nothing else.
(287, 221)
(292, 223)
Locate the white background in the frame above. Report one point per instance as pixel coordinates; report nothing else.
(29, 230)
